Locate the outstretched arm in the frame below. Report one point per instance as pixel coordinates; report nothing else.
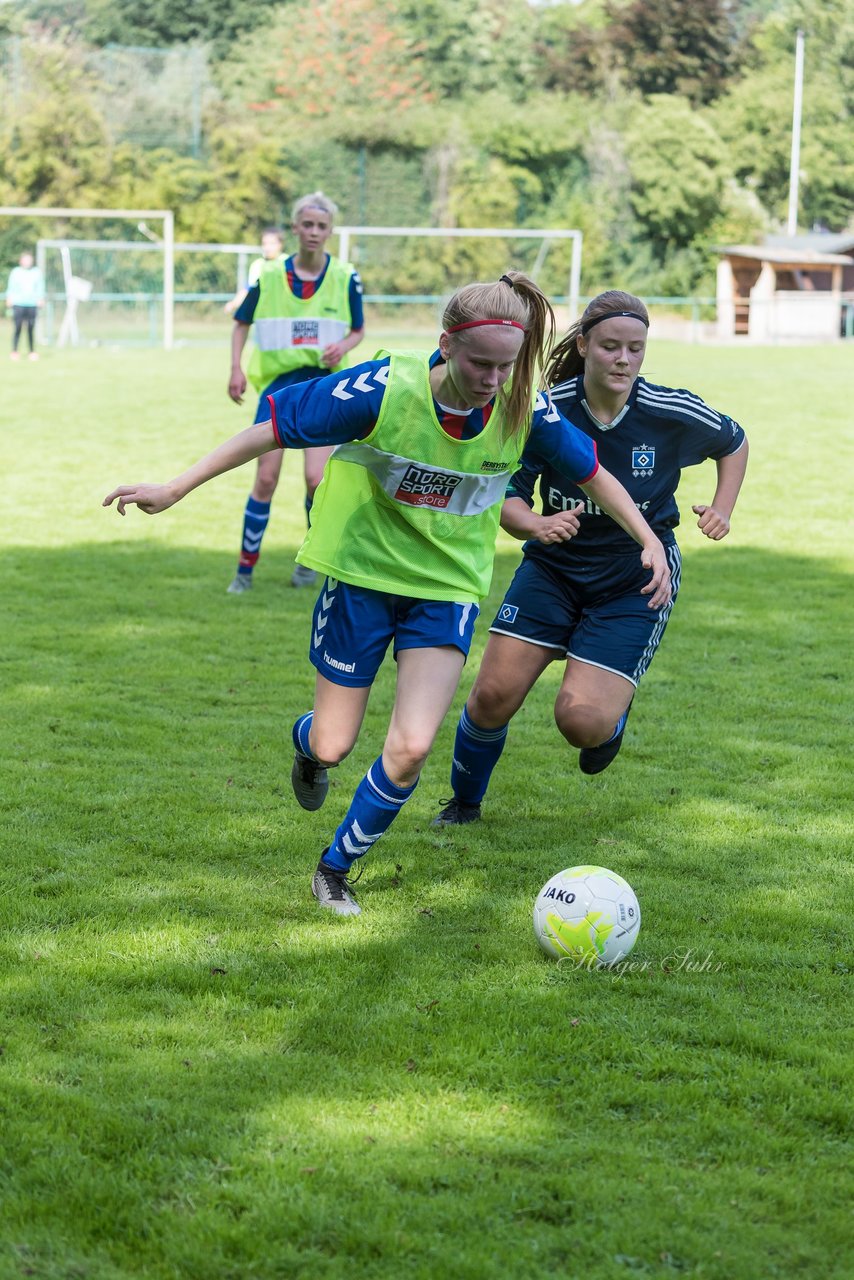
(318, 412)
(714, 519)
(607, 492)
(241, 448)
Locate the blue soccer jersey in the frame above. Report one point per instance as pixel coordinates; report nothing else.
(345, 406)
(659, 431)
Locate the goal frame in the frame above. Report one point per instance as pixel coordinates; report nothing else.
(168, 245)
(347, 233)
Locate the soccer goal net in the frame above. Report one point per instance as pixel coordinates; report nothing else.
(127, 303)
(139, 288)
(87, 297)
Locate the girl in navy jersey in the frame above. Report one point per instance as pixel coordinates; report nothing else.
(577, 596)
(305, 313)
(404, 531)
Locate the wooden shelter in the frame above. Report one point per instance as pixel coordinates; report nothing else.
(787, 289)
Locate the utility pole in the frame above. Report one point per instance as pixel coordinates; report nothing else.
(795, 162)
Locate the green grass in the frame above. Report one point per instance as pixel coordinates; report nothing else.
(201, 1076)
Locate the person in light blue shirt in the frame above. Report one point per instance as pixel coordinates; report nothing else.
(24, 296)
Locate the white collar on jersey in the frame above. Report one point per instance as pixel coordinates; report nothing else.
(605, 426)
(456, 413)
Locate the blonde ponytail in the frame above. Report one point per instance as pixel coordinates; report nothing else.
(517, 299)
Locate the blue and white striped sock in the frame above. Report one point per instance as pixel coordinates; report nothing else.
(373, 809)
(476, 753)
(256, 517)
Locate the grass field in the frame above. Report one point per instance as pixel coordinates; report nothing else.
(202, 1077)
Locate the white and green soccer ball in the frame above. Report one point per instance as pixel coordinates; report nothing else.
(587, 915)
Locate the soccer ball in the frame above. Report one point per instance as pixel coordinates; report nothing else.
(588, 915)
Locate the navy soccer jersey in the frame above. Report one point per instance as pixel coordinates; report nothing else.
(345, 406)
(304, 289)
(659, 431)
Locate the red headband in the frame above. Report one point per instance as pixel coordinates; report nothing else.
(474, 324)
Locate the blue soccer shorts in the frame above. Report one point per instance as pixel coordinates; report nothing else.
(592, 611)
(352, 628)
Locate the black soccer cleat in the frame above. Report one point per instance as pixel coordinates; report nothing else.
(456, 813)
(310, 781)
(595, 759)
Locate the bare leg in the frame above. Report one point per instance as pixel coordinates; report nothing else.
(314, 462)
(338, 715)
(590, 702)
(267, 475)
(427, 680)
(509, 670)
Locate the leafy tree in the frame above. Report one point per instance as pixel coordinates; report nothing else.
(574, 50)
(158, 23)
(56, 147)
(756, 122)
(358, 76)
(677, 164)
(755, 117)
(670, 47)
(469, 49)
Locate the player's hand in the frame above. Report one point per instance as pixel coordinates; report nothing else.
(711, 522)
(560, 527)
(658, 588)
(332, 355)
(150, 498)
(237, 385)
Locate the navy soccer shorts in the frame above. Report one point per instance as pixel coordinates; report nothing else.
(593, 611)
(352, 628)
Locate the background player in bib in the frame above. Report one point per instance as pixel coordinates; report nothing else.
(580, 600)
(272, 246)
(404, 529)
(306, 313)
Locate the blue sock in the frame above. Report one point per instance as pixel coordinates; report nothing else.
(620, 726)
(373, 809)
(300, 733)
(255, 520)
(476, 753)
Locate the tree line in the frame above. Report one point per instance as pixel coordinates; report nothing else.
(660, 129)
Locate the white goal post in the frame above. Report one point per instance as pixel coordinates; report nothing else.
(192, 274)
(140, 216)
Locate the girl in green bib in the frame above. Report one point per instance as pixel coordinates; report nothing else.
(305, 314)
(403, 532)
